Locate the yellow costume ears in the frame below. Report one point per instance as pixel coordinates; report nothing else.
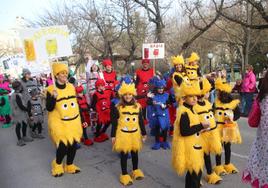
(205, 86)
(127, 89)
(59, 67)
(194, 57)
(190, 89)
(177, 60)
(222, 86)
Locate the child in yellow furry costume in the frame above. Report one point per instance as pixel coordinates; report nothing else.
(226, 113)
(187, 145)
(64, 123)
(128, 131)
(211, 137)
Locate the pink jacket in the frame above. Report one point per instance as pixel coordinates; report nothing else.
(249, 83)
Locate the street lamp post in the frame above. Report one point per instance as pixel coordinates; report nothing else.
(210, 56)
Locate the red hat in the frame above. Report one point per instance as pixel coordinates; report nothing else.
(145, 61)
(107, 62)
(79, 89)
(99, 82)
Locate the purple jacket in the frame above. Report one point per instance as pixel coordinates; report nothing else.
(249, 83)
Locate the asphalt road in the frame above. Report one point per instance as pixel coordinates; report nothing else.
(29, 166)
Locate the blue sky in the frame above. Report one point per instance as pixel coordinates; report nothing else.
(25, 8)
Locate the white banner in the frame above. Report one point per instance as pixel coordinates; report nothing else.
(153, 51)
(45, 43)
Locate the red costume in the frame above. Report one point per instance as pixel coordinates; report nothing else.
(109, 77)
(142, 84)
(103, 103)
(84, 110)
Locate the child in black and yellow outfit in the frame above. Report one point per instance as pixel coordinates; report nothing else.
(128, 132)
(226, 113)
(211, 137)
(187, 145)
(64, 123)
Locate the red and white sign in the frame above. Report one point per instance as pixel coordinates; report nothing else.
(153, 51)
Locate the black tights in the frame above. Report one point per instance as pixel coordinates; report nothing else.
(20, 126)
(192, 180)
(208, 163)
(101, 129)
(124, 157)
(62, 150)
(144, 113)
(159, 132)
(227, 153)
(38, 126)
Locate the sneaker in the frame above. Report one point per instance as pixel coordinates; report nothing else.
(21, 143)
(40, 136)
(27, 139)
(34, 134)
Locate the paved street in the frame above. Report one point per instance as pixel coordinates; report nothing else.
(29, 166)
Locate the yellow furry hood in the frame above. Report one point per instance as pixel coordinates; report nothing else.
(206, 86)
(189, 89)
(127, 88)
(177, 60)
(194, 57)
(222, 86)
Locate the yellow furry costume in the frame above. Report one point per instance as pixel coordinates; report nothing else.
(212, 140)
(193, 58)
(128, 134)
(224, 111)
(177, 60)
(64, 123)
(187, 151)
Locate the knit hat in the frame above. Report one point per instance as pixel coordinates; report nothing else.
(127, 89)
(145, 61)
(107, 62)
(177, 60)
(188, 89)
(99, 82)
(25, 71)
(194, 57)
(79, 89)
(221, 85)
(59, 67)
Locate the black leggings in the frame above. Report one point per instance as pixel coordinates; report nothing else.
(62, 150)
(101, 129)
(38, 126)
(193, 180)
(20, 126)
(159, 132)
(85, 133)
(227, 153)
(144, 113)
(208, 163)
(124, 157)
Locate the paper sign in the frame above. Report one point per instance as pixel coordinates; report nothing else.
(45, 43)
(153, 51)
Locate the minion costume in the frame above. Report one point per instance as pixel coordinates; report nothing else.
(128, 129)
(64, 123)
(226, 115)
(160, 102)
(187, 144)
(177, 77)
(211, 138)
